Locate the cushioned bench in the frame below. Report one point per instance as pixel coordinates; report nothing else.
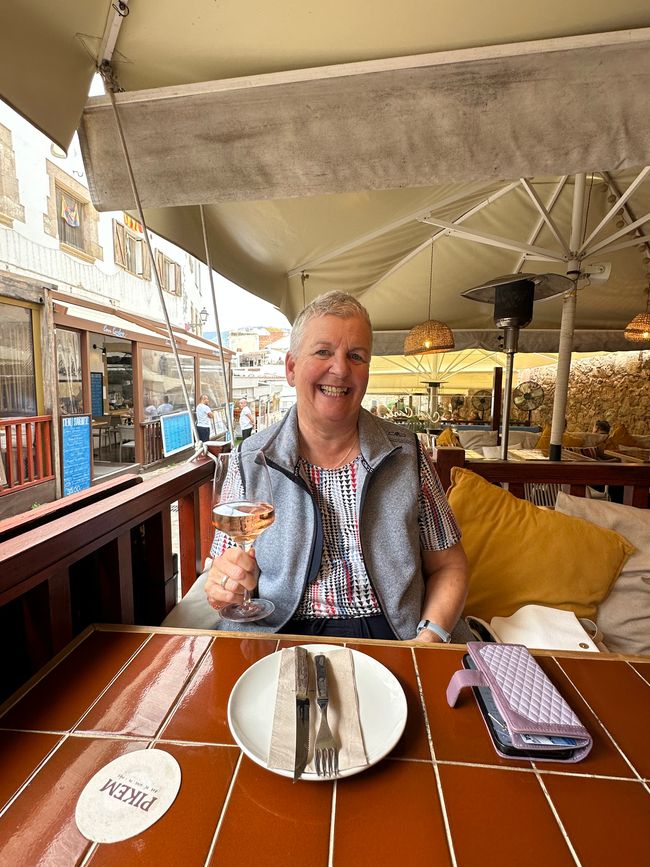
(588, 556)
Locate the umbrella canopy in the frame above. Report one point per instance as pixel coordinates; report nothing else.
(462, 371)
(331, 144)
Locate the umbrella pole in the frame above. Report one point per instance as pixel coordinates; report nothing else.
(562, 377)
(567, 324)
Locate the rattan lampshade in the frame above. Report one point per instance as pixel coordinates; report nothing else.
(430, 336)
(638, 330)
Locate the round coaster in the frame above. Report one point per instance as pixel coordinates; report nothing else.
(128, 795)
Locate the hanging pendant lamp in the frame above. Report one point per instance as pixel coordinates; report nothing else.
(638, 330)
(432, 335)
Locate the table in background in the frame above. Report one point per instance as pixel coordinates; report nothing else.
(118, 689)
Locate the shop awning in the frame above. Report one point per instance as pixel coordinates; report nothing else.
(125, 325)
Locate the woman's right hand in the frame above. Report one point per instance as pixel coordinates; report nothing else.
(231, 573)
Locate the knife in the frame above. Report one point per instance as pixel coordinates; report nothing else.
(302, 712)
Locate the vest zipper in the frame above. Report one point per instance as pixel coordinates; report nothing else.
(298, 480)
(363, 556)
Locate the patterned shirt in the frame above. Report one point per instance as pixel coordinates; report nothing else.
(342, 588)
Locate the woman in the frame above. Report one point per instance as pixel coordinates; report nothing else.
(364, 543)
(204, 417)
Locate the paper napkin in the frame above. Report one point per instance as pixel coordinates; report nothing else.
(342, 713)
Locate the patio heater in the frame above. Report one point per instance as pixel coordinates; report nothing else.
(513, 296)
(432, 392)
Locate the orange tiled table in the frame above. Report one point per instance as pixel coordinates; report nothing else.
(443, 797)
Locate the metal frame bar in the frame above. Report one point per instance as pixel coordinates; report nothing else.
(370, 236)
(639, 240)
(538, 228)
(413, 253)
(629, 227)
(494, 240)
(622, 199)
(546, 217)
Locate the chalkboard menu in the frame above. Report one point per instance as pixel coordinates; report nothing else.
(76, 451)
(176, 429)
(97, 394)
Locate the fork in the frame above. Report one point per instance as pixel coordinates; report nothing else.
(326, 751)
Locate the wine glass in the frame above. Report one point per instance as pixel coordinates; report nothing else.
(243, 515)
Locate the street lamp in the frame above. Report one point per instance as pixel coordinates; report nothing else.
(203, 316)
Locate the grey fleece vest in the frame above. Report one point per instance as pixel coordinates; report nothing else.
(289, 552)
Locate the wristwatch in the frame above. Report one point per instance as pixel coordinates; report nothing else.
(440, 631)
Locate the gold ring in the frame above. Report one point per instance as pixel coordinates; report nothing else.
(223, 581)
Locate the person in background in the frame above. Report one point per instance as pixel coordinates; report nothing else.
(245, 419)
(364, 543)
(601, 426)
(165, 406)
(204, 418)
(151, 411)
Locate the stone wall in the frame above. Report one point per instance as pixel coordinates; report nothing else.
(615, 387)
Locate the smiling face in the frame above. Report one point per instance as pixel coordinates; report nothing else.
(330, 371)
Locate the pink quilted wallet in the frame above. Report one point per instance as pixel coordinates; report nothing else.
(532, 712)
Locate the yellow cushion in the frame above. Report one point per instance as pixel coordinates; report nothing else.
(447, 438)
(519, 554)
(568, 440)
(618, 436)
(544, 440)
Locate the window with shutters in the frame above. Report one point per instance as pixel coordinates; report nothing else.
(70, 216)
(130, 251)
(170, 274)
(69, 219)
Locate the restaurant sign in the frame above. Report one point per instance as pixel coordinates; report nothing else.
(128, 795)
(114, 331)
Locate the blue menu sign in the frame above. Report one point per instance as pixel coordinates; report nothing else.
(97, 393)
(176, 429)
(76, 452)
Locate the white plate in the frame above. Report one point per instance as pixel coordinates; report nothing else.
(382, 708)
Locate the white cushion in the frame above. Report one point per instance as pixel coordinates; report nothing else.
(624, 616)
(593, 439)
(476, 439)
(194, 611)
(522, 439)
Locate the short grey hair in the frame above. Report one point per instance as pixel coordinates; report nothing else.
(330, 304)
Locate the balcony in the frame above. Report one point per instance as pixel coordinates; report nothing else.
(25, 452)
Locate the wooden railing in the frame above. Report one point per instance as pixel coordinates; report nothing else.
(25, 452)
(633, 478)
(153, 450)
(109, 560)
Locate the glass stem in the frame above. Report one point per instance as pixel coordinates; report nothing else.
(246, 546)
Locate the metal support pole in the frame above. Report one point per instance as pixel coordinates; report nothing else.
(507, 398)
(161, 295)
(510, 345)
(227, 383)
(568, 320)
